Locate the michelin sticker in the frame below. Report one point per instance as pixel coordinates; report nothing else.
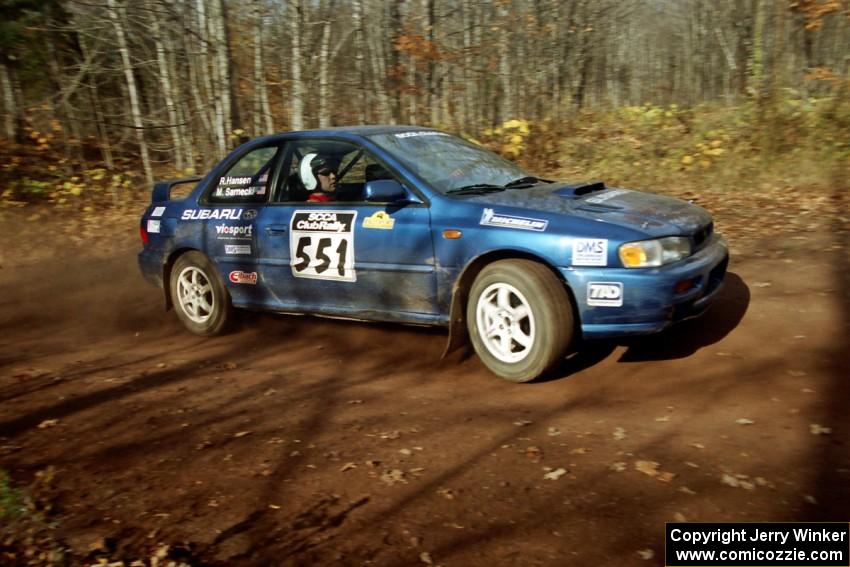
(380, 220)
(491, 218)
(237, 248)
(605, 294)
(322, 245)
(153, 226)
(590, 251)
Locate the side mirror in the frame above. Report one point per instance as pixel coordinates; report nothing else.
(384, 191)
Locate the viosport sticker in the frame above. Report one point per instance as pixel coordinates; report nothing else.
(605, 294)
(491, 218)
(234, 232)
(153, 226)
(243, 277)
(157, 211)
(379, 220)
(237, 248)
(590, 251)
(204, 214)
(321, 245)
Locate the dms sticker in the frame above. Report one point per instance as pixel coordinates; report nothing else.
(590, 252)
(322, 245)
(490, 218)
(605, 294)
(379, 220)
(243, 277)
(153, 226)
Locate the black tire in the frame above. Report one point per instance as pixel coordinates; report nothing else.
(504, 291)
(199, 297)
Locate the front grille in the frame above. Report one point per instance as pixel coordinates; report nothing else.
(703, 235)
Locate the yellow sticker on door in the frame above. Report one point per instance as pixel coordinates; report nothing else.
(379, 220)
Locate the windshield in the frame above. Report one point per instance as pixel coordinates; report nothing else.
(448, 163)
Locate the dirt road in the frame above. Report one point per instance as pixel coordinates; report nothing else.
(307, 441)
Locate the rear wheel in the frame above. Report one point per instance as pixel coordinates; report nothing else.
(200, 299)
(520, 319)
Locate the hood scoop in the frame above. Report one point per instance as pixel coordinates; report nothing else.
(579, 189)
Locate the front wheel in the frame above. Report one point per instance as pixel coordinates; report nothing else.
(520, 319)
(200, 299)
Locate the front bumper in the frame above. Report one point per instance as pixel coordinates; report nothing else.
(651, 301)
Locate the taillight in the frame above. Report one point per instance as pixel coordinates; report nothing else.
(144, 234)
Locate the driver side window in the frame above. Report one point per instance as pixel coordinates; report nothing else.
(352, 165)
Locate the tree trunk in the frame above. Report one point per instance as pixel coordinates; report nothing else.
(297, 120)
(135, 110)
(11, 110)
(324, 74)
(359, 68)
(167, 91)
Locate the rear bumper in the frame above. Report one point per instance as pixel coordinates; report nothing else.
(150, 265)
(650, 299)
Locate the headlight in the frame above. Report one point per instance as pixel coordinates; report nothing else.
(652, 253)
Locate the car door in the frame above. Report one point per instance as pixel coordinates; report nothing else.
(347, 257)
(229, 211)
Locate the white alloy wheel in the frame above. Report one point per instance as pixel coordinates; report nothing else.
(505, 322)
(201, 301)
(195, 294)
(519, 316)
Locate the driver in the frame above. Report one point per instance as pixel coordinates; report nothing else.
(320, 176)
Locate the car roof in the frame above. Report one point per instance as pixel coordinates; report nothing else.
(346, 131)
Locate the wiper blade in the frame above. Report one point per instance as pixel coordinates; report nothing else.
(475, 188)
(526, 181)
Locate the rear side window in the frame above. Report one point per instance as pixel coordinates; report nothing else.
(249, 180)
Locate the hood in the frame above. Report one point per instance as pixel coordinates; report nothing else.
(655, 215)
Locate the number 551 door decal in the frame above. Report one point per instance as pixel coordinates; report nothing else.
(321, 245)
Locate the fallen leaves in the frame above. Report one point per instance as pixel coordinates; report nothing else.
(653, 469)
(817, 429)
(555, 474)
(393, 476)
(48, 423)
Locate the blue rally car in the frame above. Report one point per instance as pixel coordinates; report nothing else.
(413, 225)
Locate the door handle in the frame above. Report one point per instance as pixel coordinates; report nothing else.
(277, 229)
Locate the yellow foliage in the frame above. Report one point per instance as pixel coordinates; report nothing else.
(716, 143)
(714, 152)
(705, 163)
(687, 160)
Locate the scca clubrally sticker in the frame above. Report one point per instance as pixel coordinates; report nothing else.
(321, 245)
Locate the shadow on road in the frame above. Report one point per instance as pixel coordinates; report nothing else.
(688, 337)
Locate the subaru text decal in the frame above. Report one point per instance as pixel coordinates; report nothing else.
(490, 218)
(204, 214)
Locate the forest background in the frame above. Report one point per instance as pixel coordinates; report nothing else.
(101, 97)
